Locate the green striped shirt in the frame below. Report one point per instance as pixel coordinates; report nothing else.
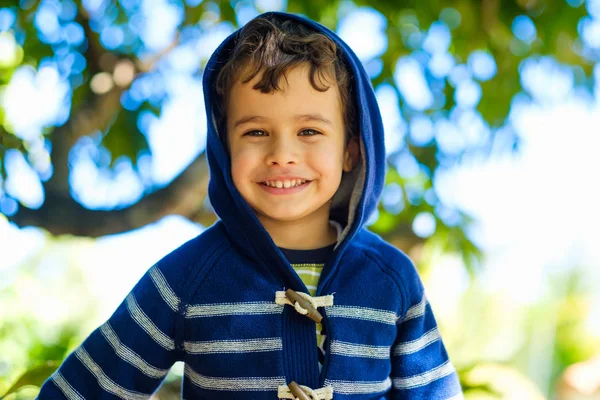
(310, 273)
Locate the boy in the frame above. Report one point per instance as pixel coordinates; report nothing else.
(296, 156)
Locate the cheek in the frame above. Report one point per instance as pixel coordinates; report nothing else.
(327, 160)
(242, 164)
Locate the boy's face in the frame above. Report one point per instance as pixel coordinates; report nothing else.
(284, 137)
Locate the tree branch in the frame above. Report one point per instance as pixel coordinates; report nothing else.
(95, 115)
(61, 215)
(97, 111)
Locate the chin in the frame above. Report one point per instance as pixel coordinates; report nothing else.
(284, 215)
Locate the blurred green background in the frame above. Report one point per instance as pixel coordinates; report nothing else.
(492, 118)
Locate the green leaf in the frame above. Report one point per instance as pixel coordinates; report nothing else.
(9, 141)
(34, 376)
(193, 14)
(124, 137)
(228, 13)
(33, 48)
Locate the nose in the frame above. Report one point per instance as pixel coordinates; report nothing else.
(281, 152)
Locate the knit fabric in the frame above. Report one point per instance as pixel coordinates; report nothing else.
(215, 302)
(308, 264)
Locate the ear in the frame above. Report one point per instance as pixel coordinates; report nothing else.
(351, 155)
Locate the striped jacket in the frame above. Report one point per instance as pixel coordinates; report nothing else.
(219, 313)
(218, 303)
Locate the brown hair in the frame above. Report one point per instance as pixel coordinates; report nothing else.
(271, 46)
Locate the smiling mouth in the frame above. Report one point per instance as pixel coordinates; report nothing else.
(285, 184)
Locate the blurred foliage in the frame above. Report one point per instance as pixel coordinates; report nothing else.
(35, 377)
(46, 310)
(561, 320)
(496, 381)
(89, 47)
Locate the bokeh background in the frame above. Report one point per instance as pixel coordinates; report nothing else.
(492, 116)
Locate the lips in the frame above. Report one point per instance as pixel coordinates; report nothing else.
(291, 189)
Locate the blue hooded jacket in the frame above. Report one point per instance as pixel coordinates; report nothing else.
(217, 302)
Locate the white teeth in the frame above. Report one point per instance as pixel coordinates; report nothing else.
(285, 184)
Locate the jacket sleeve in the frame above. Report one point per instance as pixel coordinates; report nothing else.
(130, 354)
(421, 368)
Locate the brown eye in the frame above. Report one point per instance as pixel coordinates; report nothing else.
(310, 132)
(255, 133)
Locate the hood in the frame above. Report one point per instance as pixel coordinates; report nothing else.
(353, 203)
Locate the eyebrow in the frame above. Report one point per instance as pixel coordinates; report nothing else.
(300, 117)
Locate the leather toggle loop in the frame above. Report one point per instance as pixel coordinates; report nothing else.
(303, 305)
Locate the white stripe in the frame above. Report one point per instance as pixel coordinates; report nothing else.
(243, 308)
(359, 350)
(415, 345)
(425, 378)
(318, 301)
(234, 346)
(129, 356)
(417, 310)
(146, 324)
(356, 387)
(104, 381)
(369, 314)
(308, 272)
(234, 384)
(164, 289)
(65, 387)
(309, 287)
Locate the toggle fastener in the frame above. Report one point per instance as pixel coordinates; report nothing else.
(312, 312)
(297, 391)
